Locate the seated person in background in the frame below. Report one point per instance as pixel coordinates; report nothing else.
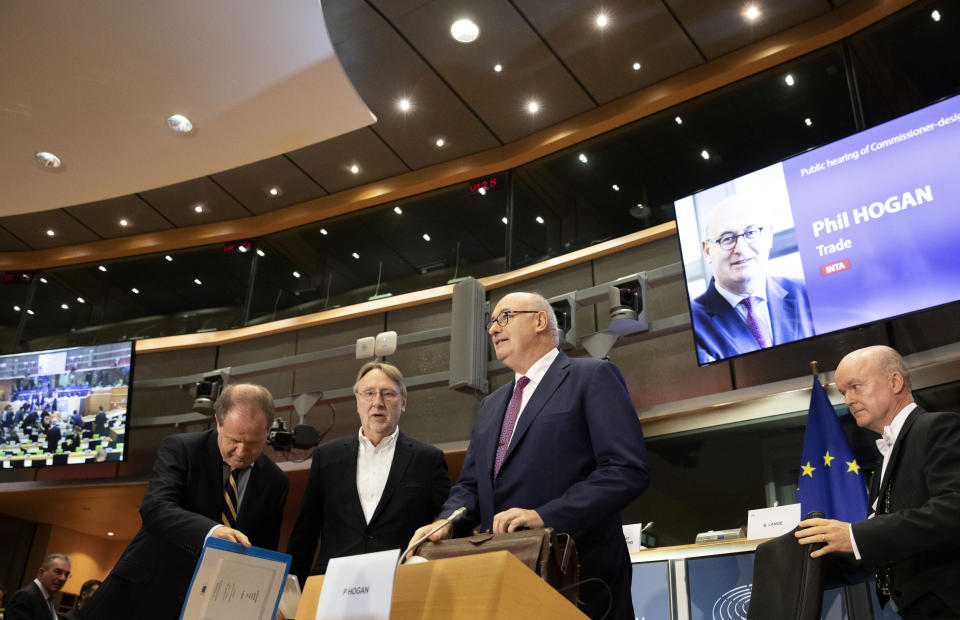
(745, 309)
(86, 591)
(73, 441)
(368, 492)
(76, 419)
(35, 600)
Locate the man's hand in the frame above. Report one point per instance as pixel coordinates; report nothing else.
(441, 534)
(834, 534)
(228, 533)
(516, 519)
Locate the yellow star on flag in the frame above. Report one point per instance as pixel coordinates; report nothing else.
(827, 458)
(853, 467)
(807, 470)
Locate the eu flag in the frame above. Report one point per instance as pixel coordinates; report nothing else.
(830, 479)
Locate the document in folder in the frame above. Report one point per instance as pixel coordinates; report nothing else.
(233, 582)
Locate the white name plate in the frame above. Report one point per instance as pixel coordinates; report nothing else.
(770, 522)
(358, 586)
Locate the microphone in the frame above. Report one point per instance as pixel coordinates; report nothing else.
(456, 514)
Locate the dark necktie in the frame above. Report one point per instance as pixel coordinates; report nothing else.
(231, 495)
(754, 324)
(509, 422)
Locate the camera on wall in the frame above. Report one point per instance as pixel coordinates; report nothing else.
(302, 437)
(627, 313)
(207, 391)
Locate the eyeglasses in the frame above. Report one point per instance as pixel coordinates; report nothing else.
(504, 317)
(370, 395)
(727, 241)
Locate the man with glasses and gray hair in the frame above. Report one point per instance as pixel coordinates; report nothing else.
(559, 446)
(743, 308)
(368, 492)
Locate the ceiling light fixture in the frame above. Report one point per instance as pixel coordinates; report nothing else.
(260, 253)
(539, 220)
(678, 120)
(935, 15)
(81, 300)
(464, 31)
(64, 306)
(440, 143)
(135, 291)
(124, 222)
(323, 231)
(426, 237)
(404, 105)
(197, 282)
(50, 232)
(355, 169)
(482, 191)
(601, 20)
(583, 158)
(30, 312)
(102, 268)
(168, 258)
(274, 191)
(498, 67)
(751, 12)
(398, 210)
(705, 154)
(504, 220)
(788, 79)
(808, 122)
(296, 274)
(355, 255)
(198, 208)
(43, 280)
(533, 106)
(636, 66)
(16, 308)
(179, 123)
(109, 533)
(48, 160)
(616, 187)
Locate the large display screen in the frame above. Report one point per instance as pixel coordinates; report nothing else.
(859, 230)
(65, 406)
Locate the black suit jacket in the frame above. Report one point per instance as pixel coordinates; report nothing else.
(577, 457)
(27, 603)
(920, 536)
(416, 487)
(182, 503)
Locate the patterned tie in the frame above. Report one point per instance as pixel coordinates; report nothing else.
(509, 422)
(230, 500)
(754, 324)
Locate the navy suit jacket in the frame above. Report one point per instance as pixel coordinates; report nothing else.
(577, 457)
(720, 332)
(183, 502)
(27, 603)
(920, 536)
(417, 484)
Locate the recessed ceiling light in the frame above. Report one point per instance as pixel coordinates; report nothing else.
(464, 31)
(109, 533)
(539, 220)
(678, 120)
(198, 208)
(124, 222)
(50, 232)
(274, 191)
(260, 253)
(751, 12)
(43, 280)
(30, 312)
(533, 106)
(404, 105)
(504, 220)
(355, 169)
(48, 160)
(498, 67)
(398, 210)
(426, 237)
(788, 79)
(705, 154)
(601, 20)
(296, 274)
(81, 300)
(323, 231)
(168, 258)
(102, 268)
(16, 308)
(440, 143)
(65, 306)
(808, 122)
(179, 123)
(636, 66)
(583, 158)
(243, 248)
(135, 290)
(935, 15)
(197, 282)
(355, 255)
(482, 191)
(615, 187)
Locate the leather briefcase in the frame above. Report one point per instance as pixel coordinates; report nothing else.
(552, 556)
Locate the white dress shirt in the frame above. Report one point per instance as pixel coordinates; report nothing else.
(373, 467)
(535, 375)
(890, 434)
(48, 597)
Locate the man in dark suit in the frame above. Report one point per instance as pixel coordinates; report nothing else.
(368, 492)
(560, 446)
(100, 423)
(187, 501)
(53, 437)
(744, 309)
(911, 540)
(35, 600)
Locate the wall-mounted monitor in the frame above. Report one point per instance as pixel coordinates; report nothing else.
(65, 406)
(860, 230)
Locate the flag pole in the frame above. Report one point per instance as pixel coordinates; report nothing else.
(814, 369)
